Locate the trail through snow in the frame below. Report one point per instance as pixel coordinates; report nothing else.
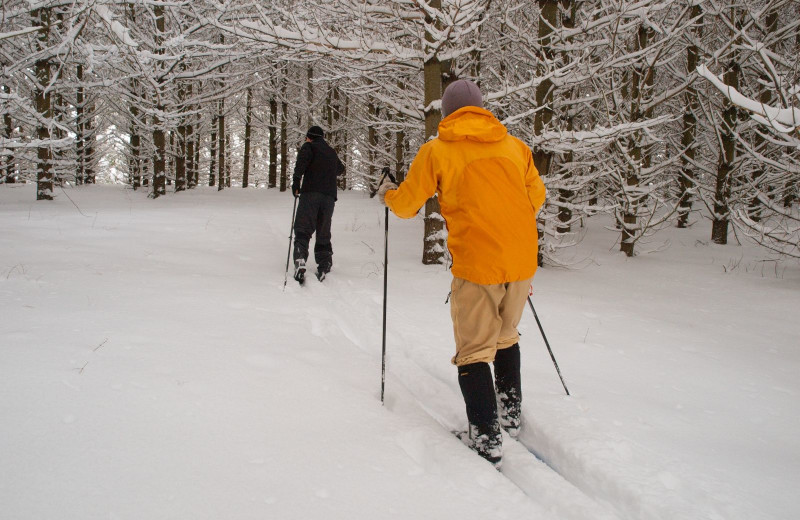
(153, 366)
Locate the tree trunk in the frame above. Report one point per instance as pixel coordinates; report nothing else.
(372, 140)
(399, 153)
(197, 154)
(433, 248)
(334, 130)
(44, 171)
(145, 172)
(212, 175)
(59, 160)
(503, 57)
(639, 78)
(722, 190)
(727, 156)
(345, 144)
(159, 139)
(759, 142)
(284, 137)
(170, 157)
(542, 159)
(309, 96)
(90, 176)
(135, 166)
(689, 139)
(189, 137)
(247, 132)
(548, 20)
(221, 146)
(228, 159)
(159, 161)
(272, 181)
(80, 128)
(180, 158)
(328, 110)
(565, 196)
(8, 130)
(179, 150)
(135, 160)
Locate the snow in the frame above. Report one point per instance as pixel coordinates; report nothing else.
(119, 30)
(151, 366)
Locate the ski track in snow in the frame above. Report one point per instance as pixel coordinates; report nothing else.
(532, 476)
(570, 484)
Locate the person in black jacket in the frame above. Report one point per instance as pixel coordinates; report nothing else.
(317, 166)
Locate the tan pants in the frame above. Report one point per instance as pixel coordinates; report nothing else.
(485, 318)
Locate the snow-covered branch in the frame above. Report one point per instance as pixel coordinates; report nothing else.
(783, 120)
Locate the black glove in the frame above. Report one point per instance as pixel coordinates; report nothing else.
(295, 189)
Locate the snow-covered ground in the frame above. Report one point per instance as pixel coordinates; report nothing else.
(152, 367)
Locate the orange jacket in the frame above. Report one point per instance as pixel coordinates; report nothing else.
(489, 192)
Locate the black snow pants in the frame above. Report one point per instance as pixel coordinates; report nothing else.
(314, 214)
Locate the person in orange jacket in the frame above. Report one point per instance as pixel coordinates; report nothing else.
(489, 192)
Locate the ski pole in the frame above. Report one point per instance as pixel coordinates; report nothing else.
(385, 283)
(291, 233)
(385, 173)
(548, 345)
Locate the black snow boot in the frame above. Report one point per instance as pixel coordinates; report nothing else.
(300, 270)
(485, 436)
(508, 385)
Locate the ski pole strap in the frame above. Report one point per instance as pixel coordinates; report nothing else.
(386, 173)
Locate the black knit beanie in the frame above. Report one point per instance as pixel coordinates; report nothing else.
(314, 132)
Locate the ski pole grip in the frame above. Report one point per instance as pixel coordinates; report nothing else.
(386, 173)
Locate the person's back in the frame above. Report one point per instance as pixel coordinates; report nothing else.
(322, 168)
(488, 191)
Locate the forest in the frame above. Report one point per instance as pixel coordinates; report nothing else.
(654, 113)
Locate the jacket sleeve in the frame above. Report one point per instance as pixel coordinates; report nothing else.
(419, 185)
(304, 157)
(534, 185)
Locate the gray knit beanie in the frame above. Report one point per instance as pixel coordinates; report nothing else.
(461, 93)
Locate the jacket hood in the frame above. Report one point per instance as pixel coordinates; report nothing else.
(473, 123)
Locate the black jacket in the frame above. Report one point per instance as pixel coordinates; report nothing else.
(318, 166)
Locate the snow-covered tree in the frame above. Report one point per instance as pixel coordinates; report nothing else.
(650, 111)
